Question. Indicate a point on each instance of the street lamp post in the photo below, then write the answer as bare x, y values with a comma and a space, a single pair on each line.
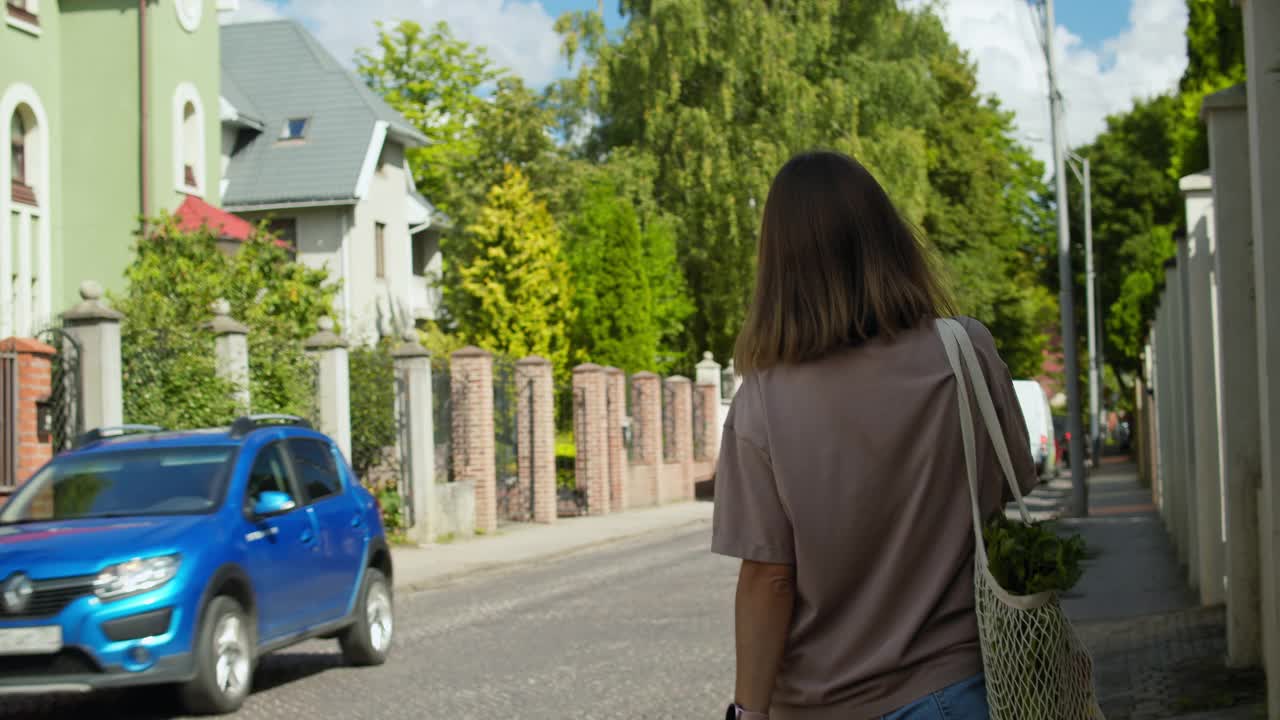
1071, 360
1080, 167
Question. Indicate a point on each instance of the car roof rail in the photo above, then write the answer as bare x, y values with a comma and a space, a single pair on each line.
248, 423
102, 433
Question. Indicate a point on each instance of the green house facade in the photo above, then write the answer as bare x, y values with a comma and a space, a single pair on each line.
82, 83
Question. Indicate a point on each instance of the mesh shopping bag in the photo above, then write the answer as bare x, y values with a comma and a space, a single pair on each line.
1036, 667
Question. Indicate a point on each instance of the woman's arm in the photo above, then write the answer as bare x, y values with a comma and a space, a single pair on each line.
766, 596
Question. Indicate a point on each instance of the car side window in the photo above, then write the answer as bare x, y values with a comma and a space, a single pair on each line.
317, 471
269, 474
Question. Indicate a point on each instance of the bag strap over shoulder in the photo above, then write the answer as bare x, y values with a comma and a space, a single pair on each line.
961, 355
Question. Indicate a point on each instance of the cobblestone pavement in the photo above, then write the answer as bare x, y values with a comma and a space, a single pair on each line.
637, 630
1157, 652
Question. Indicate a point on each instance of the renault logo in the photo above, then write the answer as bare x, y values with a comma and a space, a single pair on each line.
16, 593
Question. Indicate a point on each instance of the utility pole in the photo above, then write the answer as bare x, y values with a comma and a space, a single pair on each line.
1081, 170
1079, 474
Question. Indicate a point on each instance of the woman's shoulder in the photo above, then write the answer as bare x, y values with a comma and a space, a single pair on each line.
978, 332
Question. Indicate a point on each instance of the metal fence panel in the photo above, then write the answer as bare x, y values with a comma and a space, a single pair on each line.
9, 416
513, 505
442, 418
699, 421
668, 422
66, 418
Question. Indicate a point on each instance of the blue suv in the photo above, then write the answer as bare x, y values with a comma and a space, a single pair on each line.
149, 557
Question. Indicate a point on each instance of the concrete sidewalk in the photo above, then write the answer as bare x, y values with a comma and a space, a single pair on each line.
1157, 652
517, 544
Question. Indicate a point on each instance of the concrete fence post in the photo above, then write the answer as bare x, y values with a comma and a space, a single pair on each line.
590, 420
708, 387
1240, 442
414, 418
646, 438
333, 386
615, 418
96, 328
471, 386
231, 350
1197, 190
682, 408
536, 429
1187, 474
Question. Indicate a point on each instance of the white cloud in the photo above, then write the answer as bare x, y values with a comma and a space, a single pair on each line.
1145, 59
518, 34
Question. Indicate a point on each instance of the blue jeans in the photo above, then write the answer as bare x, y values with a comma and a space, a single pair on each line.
966, 700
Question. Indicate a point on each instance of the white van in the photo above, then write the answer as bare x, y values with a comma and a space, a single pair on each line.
1039, 418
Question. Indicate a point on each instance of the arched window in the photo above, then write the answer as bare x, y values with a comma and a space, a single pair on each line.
190, 151
22, 156
188, 141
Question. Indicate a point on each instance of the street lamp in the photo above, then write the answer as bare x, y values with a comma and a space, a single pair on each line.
1080, 167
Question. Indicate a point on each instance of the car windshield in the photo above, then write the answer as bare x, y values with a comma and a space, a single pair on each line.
155, 481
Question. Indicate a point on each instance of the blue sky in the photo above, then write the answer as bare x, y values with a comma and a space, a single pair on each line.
1110, 51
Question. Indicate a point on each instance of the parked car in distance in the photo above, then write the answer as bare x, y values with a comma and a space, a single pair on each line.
1039, 418
144, 557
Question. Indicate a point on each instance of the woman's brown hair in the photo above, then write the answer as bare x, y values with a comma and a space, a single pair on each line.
837, 265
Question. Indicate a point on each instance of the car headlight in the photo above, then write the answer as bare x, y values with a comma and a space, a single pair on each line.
135, 576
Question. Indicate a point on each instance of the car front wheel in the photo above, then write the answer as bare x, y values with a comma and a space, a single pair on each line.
223, 659
368, 640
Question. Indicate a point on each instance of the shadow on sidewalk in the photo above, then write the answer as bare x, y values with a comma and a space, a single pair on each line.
1157, 652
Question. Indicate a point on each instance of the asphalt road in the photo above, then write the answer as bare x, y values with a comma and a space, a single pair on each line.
635, 630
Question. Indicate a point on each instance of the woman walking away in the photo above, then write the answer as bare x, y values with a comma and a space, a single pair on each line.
841, 484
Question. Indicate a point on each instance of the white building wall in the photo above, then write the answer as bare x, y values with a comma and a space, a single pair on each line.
386, 201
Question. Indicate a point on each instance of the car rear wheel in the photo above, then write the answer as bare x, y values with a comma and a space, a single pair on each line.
368, 640
223, 659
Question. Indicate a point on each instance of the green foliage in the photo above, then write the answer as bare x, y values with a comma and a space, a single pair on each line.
434, 81
1028, 559
614, 324
1137, 208
507, 285
373, 397
716, 96
685, 115
170, 376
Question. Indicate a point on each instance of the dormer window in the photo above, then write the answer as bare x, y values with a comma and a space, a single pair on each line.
294, 129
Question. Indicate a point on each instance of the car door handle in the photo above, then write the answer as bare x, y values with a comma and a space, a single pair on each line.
308, 536
357, 521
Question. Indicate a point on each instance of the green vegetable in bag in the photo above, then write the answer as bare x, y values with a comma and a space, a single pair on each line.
1026, 559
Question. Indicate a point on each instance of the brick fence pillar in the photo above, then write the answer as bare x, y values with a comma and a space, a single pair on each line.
646, 434
536, 428
615, 418
33, 448
471, 385
590, 418
682, 408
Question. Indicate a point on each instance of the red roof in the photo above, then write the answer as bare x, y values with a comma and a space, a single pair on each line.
195, 213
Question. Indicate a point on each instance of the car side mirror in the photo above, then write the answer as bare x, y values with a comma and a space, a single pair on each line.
271, 503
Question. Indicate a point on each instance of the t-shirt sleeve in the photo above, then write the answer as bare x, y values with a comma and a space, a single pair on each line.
749, 521
1008, 409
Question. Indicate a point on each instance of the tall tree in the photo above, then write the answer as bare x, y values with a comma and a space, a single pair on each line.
615, 324
719, 94
508, 285
434, 80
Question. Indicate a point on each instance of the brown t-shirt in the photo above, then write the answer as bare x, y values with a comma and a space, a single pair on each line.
851, 468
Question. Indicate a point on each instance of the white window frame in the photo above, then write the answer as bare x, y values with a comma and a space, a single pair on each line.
188, 20
33, 7
183, 94
34, 250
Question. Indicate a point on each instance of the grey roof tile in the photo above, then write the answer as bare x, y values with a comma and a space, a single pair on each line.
282, 72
